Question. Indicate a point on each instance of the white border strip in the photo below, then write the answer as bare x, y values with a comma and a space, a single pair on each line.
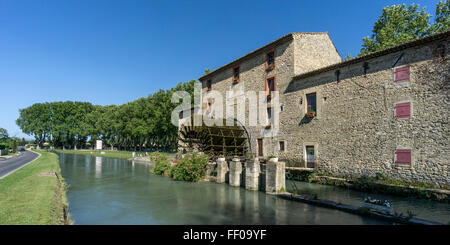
22, 165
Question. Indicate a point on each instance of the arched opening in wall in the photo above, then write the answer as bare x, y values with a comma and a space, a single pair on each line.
228, 141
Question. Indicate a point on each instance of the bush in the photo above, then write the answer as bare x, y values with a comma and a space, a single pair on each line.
191, 168
162, 163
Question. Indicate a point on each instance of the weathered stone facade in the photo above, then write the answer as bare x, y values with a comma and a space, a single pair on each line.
356, 131
253, 74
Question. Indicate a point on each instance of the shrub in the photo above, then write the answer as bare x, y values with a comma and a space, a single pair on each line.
191, 168
162, 163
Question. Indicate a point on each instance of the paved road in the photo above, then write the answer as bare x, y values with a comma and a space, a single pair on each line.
11, 164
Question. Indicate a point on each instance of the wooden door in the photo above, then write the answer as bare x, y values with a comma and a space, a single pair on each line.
310, 157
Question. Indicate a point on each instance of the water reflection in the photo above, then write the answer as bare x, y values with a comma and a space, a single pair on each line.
98, 167
128, 193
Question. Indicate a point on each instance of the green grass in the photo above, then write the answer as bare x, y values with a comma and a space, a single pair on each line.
29, 199
112, 154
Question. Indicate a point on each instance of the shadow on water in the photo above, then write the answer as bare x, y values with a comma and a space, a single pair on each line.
116, 191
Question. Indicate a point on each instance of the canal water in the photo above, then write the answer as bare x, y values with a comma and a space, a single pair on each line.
115, 191
423, 209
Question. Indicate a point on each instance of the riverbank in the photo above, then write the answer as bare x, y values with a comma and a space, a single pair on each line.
379, 184
396, 218
35, 194
107, 153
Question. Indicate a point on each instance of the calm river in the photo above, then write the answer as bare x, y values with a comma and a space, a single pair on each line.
115, 191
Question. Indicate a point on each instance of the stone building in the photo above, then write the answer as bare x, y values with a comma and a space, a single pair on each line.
383, 113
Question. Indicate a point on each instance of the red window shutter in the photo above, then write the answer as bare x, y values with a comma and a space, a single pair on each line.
403, 110
404, 156
402, 74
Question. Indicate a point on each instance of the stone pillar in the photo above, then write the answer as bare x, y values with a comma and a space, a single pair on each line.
210, 167
252, 171
235, 172
275, 177
222, 170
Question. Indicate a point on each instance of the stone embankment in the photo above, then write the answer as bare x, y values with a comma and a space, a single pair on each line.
368, 185
355, 210
270, 177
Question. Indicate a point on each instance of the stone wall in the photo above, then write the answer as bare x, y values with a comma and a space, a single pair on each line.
290, 53
356, 131
312, 51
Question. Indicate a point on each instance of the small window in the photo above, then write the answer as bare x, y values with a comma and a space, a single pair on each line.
236, 74
270, 86
403, 110
281, 145
269, 114
310, 156
209, 105
311, 105
209, 85
181, 114
402, 74
260, 147
270, 60
403, 156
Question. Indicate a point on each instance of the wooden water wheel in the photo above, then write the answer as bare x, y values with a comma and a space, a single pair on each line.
215, 140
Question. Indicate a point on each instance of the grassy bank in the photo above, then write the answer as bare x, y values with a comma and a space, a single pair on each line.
112, 154
27, 198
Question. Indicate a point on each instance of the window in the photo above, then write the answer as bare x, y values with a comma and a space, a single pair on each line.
209, 105
311, 105
403, 110
269, 118
236, 74
403, 156
209, 85
310, 156
402, 74
260, 147
270, 60
270, 86
269, 114
281, 145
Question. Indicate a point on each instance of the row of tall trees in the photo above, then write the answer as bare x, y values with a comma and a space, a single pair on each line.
143, 123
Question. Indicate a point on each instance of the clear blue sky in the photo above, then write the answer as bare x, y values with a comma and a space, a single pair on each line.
112, 52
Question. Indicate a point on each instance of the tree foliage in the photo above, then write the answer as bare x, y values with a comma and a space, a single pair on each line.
397, 24
442, 19
143, 123
3, 134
